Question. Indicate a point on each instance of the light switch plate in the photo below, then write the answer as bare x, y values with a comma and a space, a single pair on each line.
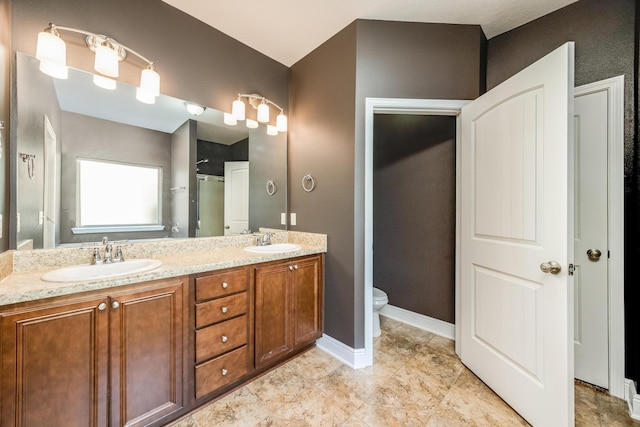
18, 222
40, 217
293, 219
283, 218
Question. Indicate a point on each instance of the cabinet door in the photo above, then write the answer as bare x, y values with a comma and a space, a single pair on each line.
307, 301
55, 365
146, 353
273, 335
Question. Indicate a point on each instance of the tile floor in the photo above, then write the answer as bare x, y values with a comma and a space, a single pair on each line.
416, 380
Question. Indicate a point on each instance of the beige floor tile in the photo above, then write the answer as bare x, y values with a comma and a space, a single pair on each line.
281, 387
240, 408
314, 364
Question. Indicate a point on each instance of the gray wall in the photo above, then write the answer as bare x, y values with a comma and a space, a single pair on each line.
195, 62
606, 36
96, 139
414, 212
37, 98
328, 91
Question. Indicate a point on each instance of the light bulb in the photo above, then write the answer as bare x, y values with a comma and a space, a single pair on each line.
263, 113
52, 53
104, 82
272, 130
194, 109
238, 109
252, 124
230, 119
106, 61
281, 122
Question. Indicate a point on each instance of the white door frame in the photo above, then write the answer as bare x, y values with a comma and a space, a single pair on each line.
433, 107
615, 89
615, 149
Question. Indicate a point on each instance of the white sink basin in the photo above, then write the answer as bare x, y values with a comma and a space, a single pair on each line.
80, 273
276, 248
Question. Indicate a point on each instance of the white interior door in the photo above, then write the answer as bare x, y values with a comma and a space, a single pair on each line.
516, 214
590, 233
236, 197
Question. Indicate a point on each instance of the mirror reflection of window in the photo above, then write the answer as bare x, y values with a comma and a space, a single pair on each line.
102, 201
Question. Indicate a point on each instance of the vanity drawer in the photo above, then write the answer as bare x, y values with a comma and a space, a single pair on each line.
221, 284
221, 371
220, 338
220, 309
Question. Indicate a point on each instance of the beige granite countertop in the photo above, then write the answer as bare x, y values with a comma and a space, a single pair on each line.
179, 258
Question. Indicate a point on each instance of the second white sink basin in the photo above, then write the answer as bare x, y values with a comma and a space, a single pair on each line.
80, 273
276, 248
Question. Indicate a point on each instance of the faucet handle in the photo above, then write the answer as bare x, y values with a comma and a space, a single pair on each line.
119, 256
96, 258
105, 240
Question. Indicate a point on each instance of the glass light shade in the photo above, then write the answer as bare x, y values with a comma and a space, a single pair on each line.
145, 97
54, 69
194, 109
52, 53
106, 61
150, 82
272, 130
230, 119
263, 113
252, 124
104, 82
281, 123
238, 109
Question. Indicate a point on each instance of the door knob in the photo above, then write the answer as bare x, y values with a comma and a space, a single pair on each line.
550, 267
594, 255
226, 227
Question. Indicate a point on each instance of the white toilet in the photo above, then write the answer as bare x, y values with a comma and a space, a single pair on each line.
380, 299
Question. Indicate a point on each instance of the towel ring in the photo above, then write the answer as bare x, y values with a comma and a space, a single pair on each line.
271, 187
306, 180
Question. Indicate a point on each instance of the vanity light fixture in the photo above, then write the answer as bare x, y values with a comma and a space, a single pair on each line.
261, 104
52, 53
230, 119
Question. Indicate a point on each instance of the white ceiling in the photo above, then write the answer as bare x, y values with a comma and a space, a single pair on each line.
287, 30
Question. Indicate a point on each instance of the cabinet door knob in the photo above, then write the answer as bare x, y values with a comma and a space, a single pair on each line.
224, 310
102, 306
115, 304
224, 372
225, 338
295, 266
291, 267
225, 285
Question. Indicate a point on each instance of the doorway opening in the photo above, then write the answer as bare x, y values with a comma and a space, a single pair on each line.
614, 88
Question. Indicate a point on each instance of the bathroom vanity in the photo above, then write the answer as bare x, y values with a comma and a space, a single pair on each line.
146, 349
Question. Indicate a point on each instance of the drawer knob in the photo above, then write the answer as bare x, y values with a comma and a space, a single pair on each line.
295, 266
224, 310
224, 372
225, 285
225, 338
291, 267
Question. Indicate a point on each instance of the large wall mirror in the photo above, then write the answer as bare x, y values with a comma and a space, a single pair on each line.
94, 162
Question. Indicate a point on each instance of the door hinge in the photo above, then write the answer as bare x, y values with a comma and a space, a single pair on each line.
572, 269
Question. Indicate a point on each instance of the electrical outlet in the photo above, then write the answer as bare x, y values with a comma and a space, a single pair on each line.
40, 218
283, 218
293, 219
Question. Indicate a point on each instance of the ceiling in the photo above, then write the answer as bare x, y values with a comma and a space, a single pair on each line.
287, 30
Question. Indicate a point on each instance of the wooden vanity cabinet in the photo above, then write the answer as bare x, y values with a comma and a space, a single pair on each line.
223, 333
109, 359
288, 307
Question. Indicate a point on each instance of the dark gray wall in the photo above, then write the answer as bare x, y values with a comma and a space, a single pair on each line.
606, 36
321, 143
5, 97
195, 62
414, 212
96, 139
36, 98
265, 151
217, 154
391, 59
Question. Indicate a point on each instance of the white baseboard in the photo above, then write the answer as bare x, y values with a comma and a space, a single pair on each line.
632, 398
436, 326
354, 358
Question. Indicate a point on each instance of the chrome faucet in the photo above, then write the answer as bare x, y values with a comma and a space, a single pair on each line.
264, 240
108, 257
